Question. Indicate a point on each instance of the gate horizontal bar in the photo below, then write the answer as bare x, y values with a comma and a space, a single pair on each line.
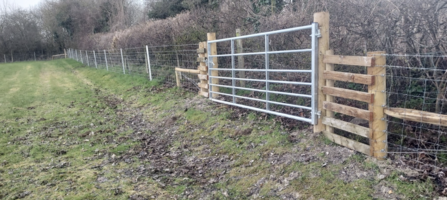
258, 90
261, 53
259, 80
265, 101
262, 70
263, 34
265, 111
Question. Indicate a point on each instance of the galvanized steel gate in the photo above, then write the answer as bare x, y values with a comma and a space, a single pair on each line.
315, 34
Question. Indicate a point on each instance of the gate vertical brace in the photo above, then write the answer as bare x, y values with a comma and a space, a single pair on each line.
322, 18
267, 75
314, 75
233, 82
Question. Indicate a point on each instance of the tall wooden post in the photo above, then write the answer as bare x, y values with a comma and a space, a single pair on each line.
203, 70
213, 50
378, 125
65, 53
240, 59
322, 18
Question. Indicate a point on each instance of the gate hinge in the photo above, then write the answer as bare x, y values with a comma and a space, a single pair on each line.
318, 34
318, 114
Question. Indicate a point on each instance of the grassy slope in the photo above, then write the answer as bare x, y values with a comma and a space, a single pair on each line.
69, 132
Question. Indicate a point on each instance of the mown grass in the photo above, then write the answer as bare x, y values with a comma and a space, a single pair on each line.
60, 136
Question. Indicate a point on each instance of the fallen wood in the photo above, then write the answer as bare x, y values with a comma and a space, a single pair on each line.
349, 77
192, 71
349, 60
346, 126
417, 116
349, 94
354, 145
348, 110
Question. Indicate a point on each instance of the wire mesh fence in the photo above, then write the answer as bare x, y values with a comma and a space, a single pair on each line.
416, 108
417, 85
20, 57
154, 62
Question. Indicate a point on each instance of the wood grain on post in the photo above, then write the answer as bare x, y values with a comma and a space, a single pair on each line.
378, 140
329, 98
240, 59
213, 50
203, 73
349, 77
322, 18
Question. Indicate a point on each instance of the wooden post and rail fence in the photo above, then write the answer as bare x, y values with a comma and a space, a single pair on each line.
374, 79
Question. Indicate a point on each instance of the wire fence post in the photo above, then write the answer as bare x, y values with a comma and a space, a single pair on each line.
94, 56
105, 57
12, 57
378, 126
80, 54
77, 59
122, 61
4, 56
148, 63
35, 56
86, 57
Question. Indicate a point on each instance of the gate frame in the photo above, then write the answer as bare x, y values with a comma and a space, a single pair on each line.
213, 79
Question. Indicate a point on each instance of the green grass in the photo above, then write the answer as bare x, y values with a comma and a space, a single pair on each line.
65, 128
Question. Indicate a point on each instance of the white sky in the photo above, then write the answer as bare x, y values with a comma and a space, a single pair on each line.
25, 4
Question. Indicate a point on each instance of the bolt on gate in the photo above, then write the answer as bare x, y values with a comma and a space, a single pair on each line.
268, 87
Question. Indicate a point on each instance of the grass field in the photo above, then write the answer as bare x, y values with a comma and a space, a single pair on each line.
72, 132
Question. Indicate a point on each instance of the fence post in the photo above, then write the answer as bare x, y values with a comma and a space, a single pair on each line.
65, 53
322, 18
35, 56
105, 57
215, 73
122, 61
148, 63
77, 59
203, 70
80, 54
12, 57
240, 59
94, 56
4, 56
86, 57
378, 125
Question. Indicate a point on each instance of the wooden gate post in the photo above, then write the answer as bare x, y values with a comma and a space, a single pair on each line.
203, 70
322, 18
378, 126
213, 50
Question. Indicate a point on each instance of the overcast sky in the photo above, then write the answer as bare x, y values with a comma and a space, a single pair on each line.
26, 4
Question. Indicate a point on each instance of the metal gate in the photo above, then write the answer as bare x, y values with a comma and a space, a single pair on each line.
269, 98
